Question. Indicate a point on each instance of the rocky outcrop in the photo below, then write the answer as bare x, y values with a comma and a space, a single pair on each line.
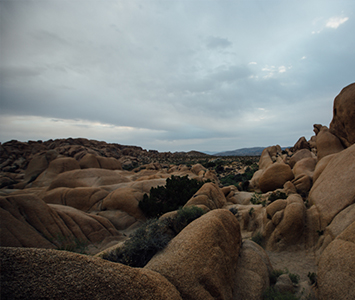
275, 176
334, 189
51, 274
201, 261
343, 122
327, 143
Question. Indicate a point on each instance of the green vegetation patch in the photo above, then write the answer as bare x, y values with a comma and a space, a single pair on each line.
177, 191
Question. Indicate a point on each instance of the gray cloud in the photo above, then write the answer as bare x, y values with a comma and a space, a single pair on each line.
173, 75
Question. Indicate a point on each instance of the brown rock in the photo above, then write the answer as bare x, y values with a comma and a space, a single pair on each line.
38, 164
253, 272
336, 268
334, 189
320, 166
52, 274
201, 260
274, 207
299, 155
343, 123
109, 163
89, 161
209, 195
303, 172
274, 177
327, 143
301, 144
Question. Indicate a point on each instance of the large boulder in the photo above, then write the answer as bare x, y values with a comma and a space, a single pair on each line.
327, 143
303, 172
209, 196
52, 274
253, 272
343, 123
201, 260
336, 268
299, 155
28, 221
275, 176
38, 164
334, 189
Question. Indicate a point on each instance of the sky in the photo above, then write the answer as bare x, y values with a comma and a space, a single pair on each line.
205, 75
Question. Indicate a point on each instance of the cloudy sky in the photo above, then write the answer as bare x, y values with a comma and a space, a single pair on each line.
173, 75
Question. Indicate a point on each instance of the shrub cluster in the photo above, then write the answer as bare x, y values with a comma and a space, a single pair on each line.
241, 181
177, 191
152, 237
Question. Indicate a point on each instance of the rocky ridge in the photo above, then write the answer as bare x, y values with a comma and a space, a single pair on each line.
66, 193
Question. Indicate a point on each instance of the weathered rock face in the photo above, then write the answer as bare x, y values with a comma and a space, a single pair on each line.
343, 123
301, 144
38, 164
52, 274
327, 143
209, 195
286, 225
253, 272
201, 260
336, 267
303, 171
275, 176
27, 221
334, 189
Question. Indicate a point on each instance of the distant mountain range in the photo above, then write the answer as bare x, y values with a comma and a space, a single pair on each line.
254, 151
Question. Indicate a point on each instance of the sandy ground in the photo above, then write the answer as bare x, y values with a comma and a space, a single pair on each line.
299, 262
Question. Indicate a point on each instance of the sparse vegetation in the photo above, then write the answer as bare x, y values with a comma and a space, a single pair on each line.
256, 199
312, 277
251, 211
258, 238
277, 195
152, 237
162, 199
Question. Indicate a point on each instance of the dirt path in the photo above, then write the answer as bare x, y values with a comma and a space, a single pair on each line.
300, 262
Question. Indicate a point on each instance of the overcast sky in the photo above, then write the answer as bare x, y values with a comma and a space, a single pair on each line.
173, 75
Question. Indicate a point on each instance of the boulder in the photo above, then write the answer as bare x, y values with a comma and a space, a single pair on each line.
83, 198
284, 284
274, 177
303, 172
209, 195
253, 272
28, 221
299, 155
301, 144
336, 268
334, 189
343, 122
286, 227
52, 274
38, 164
201, 260
93, 161
327, 143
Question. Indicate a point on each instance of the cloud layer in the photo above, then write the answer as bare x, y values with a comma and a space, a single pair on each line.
173, 75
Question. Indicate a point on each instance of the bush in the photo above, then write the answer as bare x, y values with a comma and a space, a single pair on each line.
312, 277
162, 199
258, 238
151, 237
295, 278
277, 195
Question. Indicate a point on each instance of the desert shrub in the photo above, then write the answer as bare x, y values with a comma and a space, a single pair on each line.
251, 211
258, 238
312, 277
272, 294
143, 244
241, 181
185, 216
152, 237
295, 278
256, 199
277, 195
162, 199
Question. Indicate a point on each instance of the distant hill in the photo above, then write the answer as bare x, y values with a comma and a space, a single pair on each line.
254, 151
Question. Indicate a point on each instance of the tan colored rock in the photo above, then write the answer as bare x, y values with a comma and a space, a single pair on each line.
30, 222
201, 260
299, 155
89, 161
253, 272
209, 195
274, 207
109, 163
303, 171
268, 156
52, 274
321, 166
301, 144
274, 177
38, 164
254, 182
336, 268
124, 199
83, 198
327, 143
120, 219
289, 228
284, 284
55, 167
343, 123
334, 189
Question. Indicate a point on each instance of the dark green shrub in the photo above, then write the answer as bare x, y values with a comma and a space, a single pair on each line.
234, 210
295, 278
152, 237
185, 216
277, 195
258, 238
162, 199
312, 277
